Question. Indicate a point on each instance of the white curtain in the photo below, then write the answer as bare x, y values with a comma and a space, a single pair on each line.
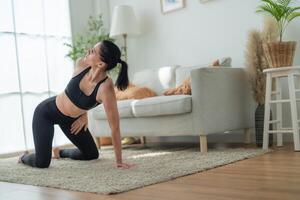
33, 65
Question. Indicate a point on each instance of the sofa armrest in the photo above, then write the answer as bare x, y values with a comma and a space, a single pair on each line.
221, 100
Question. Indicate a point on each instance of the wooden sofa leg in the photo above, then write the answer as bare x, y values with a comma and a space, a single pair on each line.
203, 143
98, 142
143, 140
247, 136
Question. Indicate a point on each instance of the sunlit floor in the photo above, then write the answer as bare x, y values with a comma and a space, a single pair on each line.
275, 175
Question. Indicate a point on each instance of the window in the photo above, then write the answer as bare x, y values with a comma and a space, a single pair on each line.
33, 65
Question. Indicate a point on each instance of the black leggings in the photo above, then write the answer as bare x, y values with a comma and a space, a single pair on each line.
47, 114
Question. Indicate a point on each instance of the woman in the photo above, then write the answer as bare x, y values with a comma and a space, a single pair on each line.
88, 87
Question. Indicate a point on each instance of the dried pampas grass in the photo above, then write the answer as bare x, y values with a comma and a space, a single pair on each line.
255, 59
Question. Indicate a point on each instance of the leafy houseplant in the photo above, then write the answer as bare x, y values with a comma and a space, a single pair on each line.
96, 33
280, 54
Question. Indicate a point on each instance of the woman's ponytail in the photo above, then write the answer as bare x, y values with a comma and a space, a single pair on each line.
111, 55
122, 80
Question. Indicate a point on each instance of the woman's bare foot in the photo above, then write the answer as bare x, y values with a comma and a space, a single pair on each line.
23, 154
56, 151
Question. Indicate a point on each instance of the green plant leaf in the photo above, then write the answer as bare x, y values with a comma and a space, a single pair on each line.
292, 10
272, 8
281, 10
277, 9
95, 33
285, 3
269, 10
293, 16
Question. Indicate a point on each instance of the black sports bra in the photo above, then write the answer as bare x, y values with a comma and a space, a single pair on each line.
75, 94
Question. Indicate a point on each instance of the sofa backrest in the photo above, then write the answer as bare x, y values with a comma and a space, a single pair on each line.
162, 78
157, 79
184, 72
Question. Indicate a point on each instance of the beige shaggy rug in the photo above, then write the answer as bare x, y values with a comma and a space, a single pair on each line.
154, 165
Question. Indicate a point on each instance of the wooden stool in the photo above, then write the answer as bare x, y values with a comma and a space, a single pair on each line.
277, 73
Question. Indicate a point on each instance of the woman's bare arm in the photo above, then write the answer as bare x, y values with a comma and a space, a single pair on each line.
109, 101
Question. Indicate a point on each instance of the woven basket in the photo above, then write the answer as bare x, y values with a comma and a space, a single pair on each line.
279, 54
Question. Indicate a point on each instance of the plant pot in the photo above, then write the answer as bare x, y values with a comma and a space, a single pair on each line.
280, 54
259, 126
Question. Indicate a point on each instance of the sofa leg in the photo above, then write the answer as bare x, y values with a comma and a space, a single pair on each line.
203, 143
247, 136
143, 140
98, 142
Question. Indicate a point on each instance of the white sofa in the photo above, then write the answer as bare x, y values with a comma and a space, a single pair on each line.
221, 101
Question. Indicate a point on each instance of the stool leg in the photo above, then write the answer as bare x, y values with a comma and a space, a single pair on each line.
267, 111
279, 112
294, 112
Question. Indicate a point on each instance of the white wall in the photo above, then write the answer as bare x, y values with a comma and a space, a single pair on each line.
81, 10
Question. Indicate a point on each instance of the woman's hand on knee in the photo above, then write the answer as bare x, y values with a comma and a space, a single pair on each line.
78, 124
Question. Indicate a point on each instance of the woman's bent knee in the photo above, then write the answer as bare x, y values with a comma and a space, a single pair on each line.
44, 164
92, 156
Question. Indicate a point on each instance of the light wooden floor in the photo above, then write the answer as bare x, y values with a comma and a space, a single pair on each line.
275, 175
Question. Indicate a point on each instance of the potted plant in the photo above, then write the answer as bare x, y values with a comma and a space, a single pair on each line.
96, 33
279, 53
255, 64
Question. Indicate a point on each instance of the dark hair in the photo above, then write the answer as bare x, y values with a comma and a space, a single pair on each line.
111, 55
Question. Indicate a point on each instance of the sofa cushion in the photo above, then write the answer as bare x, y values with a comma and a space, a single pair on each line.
162, 105
157, 79
124, 108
